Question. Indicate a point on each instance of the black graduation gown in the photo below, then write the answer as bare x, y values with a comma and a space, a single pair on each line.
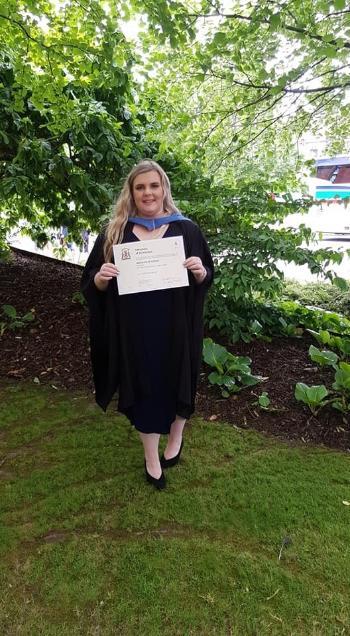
114, 340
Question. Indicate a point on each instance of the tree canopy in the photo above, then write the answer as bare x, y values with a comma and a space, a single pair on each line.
214, 90
67, 128
256, 78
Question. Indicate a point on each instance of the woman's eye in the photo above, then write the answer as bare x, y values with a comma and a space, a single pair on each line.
154, 186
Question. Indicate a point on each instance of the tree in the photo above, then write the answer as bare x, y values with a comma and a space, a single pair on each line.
258, 76
236, 101
68, 130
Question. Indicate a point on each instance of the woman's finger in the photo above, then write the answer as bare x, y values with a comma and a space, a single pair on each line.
109, 268
193, 261
108, 271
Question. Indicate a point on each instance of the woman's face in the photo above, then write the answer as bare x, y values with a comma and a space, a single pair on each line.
148, 194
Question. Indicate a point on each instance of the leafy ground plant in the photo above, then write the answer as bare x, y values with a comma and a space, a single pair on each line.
341, 386
10, 319
341, 343
314, 396
323, 358
78, 299
339, 396
232, 372
264, 400
235, 545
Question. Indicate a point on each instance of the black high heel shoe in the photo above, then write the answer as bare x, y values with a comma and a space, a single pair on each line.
157, 483
168, 463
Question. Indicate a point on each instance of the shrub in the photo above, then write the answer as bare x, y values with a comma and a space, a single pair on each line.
322, 295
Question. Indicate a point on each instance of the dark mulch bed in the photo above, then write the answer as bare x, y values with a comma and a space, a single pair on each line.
54, 349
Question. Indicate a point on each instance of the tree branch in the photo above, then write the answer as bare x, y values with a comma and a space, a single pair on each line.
332, 15
45, 46
270, 122
286, 27
22, 27
243, 145
318, 109
333, 71
319, 89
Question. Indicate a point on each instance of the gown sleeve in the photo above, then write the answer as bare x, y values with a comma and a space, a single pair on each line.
208, 264
92, 295
103, 327
196, 245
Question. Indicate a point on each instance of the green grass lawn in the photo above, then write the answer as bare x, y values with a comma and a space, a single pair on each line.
88, 547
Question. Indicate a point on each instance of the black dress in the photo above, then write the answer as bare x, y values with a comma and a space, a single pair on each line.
148, 346
151, 325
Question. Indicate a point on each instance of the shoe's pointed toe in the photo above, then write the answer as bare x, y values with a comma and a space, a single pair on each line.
159, 484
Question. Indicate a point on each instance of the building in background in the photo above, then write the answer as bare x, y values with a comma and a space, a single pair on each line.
334, 169
335, 172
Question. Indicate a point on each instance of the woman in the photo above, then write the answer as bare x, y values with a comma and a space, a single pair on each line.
148, 345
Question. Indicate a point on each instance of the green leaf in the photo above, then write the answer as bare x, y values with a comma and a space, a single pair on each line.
342, 344
340, 406
329, 51
247, 379
324, 358
28, 317
4, 137
341, 283
9, 310
229, 383
325, 336
215, 378
220, 37
215, 355
342, 377
256, 327
264, 400
311, 395
275, 20
274, 90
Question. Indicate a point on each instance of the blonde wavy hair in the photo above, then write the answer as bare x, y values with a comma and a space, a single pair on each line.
125, 204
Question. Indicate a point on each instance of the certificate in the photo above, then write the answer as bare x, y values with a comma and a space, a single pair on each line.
150, 265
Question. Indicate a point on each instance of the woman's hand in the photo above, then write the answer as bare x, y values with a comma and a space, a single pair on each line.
195, 265
106, 273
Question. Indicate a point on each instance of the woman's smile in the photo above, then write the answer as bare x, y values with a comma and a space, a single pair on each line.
148, 194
